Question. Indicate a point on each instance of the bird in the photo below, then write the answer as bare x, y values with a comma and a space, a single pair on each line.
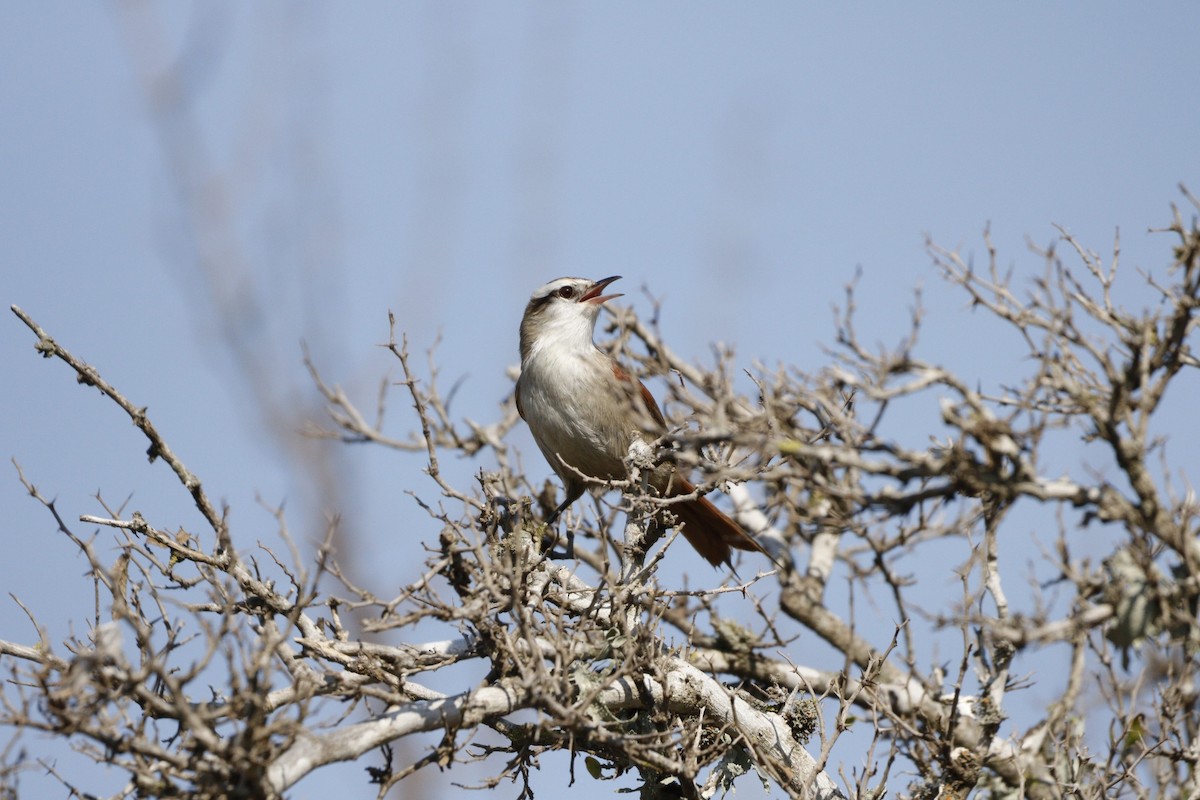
584, 411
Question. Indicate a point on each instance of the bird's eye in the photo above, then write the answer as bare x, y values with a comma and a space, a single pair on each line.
566, 292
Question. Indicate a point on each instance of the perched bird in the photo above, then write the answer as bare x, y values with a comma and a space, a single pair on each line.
584, 411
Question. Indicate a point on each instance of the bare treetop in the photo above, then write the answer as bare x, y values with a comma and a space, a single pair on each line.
211, 668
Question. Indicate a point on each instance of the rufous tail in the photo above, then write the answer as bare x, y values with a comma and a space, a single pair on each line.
708, 529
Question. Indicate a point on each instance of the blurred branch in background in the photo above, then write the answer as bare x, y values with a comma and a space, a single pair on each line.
209, 670
252, 232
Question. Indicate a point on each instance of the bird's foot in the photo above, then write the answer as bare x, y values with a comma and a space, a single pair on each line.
566, 554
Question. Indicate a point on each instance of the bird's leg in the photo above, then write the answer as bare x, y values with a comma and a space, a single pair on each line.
561, 508
572, 494
570, 551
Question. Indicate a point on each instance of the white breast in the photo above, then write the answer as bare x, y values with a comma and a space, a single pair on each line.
571, 403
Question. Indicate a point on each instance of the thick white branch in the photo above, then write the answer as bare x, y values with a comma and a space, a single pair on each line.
686, 690
464, 710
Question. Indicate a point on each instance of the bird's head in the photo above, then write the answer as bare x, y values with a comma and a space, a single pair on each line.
563, 312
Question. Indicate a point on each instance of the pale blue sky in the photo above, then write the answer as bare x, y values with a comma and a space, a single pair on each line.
442, 160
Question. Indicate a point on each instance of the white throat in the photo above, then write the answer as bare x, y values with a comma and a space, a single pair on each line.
563, 333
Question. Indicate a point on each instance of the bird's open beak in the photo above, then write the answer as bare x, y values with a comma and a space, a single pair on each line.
592, 295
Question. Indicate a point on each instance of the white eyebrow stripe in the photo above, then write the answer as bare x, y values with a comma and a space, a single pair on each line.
554, 285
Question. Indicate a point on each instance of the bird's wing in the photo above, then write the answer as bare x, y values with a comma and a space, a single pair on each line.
647, 399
